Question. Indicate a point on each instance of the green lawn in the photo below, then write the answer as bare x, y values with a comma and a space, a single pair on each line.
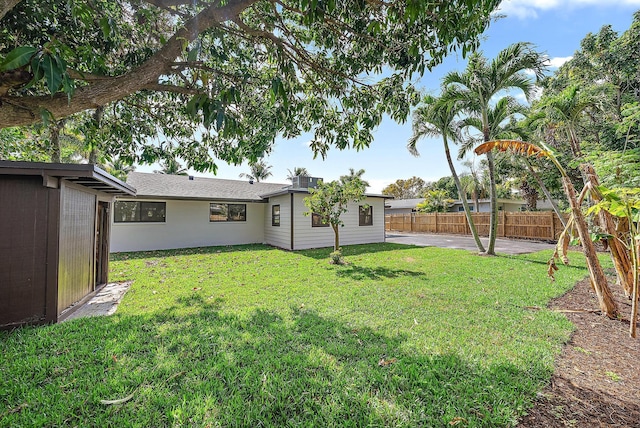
255, 336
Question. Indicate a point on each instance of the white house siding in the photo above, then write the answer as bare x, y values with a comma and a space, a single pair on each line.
187, 225
306, 236
278, 236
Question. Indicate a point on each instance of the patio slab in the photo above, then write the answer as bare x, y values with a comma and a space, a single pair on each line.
105, 302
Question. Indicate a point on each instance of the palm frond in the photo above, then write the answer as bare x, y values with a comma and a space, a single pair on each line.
515, 146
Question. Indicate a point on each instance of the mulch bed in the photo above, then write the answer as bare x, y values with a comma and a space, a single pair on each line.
596, 382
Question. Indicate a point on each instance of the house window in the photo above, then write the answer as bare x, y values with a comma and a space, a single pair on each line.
227, 212
460, 209
139, 212
366, 215
275, 215
316, 221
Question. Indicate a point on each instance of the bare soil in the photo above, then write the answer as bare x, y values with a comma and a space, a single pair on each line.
596, 382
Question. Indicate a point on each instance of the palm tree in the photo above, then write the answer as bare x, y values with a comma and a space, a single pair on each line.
354, 175
436, 117
473, 183
119, 168
171, 166
477, 87
298, 172
259, 171
567, 108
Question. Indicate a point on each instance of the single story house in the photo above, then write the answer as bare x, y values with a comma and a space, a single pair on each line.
174, 211
54, 250
406, 206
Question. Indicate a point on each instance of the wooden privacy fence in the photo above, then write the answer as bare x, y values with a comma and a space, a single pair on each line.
524, 225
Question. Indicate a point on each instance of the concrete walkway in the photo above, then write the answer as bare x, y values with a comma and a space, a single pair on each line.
505, 246
105, 302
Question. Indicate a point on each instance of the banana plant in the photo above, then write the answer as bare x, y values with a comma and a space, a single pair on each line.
624, 203
596, 273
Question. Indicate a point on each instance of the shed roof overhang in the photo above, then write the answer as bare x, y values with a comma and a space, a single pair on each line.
82, 174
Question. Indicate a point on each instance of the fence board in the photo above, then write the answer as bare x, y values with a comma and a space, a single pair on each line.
543, 225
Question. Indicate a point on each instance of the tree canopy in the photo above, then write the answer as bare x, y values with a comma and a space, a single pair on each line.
224, 79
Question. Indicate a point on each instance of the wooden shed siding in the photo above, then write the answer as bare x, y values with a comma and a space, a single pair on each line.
279, 236
77, 246
23, 249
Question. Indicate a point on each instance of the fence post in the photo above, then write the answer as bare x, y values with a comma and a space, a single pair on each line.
436, 222
504, 223
553, 225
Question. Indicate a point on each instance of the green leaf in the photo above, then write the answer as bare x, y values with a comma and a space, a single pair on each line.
52, 73
17, 58
193, 54
105, 26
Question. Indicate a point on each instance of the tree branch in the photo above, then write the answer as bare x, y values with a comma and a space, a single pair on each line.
6, 6
19, 111
159, 87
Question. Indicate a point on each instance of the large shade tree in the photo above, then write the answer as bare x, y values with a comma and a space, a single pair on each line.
478, 85
248, 70
411, 188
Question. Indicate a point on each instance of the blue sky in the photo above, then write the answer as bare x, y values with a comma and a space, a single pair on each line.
556, 27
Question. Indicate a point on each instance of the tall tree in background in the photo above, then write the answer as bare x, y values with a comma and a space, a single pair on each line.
411, 188
481, 81
223, 79
171, 166
297, 172
436, 117
259, 171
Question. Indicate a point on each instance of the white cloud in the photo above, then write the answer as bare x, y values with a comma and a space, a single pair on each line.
558, 61
525, 9
376, 185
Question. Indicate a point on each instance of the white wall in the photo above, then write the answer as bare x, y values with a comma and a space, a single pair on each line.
306, 236
187, 225
278, 236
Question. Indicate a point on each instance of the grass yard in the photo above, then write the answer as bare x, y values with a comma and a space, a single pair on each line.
255, 336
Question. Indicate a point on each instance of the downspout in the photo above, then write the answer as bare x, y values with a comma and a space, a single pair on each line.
291, 221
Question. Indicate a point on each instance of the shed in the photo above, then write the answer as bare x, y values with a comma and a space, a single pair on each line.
54, 251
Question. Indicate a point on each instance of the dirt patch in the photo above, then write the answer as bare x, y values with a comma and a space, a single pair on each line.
596, 382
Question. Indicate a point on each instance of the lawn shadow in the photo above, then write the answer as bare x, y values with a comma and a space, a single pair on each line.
359, 272
354, 250
214, 367
535, 258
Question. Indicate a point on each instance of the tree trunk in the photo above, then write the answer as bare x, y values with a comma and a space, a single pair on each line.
54, 136
493, 203
336, 239
546, 192
463, 197
619, 254
634, 295
599, 281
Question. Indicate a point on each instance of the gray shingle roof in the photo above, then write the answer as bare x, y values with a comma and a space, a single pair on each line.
180, 187
403, 203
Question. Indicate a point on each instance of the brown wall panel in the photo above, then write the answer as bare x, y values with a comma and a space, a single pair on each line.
23, 249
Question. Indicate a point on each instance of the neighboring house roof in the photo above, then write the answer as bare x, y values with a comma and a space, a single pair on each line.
83, 174
403, 203
182, 187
